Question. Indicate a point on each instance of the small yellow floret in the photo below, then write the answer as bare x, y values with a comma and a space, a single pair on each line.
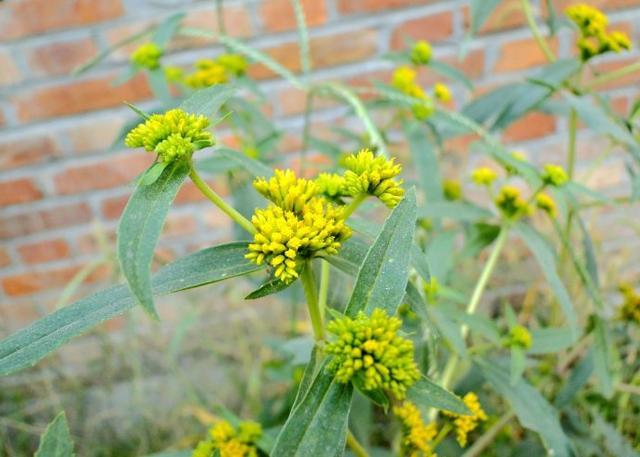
546, 204
630, 309
286, 190
229, 442
421, 53
465, 424
554, 175
368, 174
404, 79
417, 437
484, 176
519, 336
442, 92
208, 73
511, 203
174, 74
590, 20
452, 189
369, 347
147, 56
331, 185
235, 64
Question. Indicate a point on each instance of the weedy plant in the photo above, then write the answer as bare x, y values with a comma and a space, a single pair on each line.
559, 376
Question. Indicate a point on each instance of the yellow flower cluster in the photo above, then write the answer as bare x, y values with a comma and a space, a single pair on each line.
369, 347
285, 239
546, 204
404, 79
452, 189
225, 441
286, 190
465, 424
484, 176
368, 174
554, 175
147, 56
174, 134
421, 53
594, 38
442, 92
331, 185
630, 310
519, 336
210, 72
173, 74
417, 437
511, 203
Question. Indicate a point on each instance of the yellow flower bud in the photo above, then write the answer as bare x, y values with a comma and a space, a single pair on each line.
286, 190
421, 53
208, 73
442, 92
519, 336
484, 176
234, 64
226, 441
147, 56
630, 309
465, 424
511, 203
554, 175
368, 174
417, 437
452, 189
546, 204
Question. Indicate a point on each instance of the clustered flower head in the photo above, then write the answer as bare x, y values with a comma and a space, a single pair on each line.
173, 74
172, 135
421, 53
286, 190
210, 72
331, 185
465, 424
368, 174
147, 56
484, 176
594, 38
511, 203
404, 79
546, 204
369, 349
630, 310
227, 441
452, 189
554, 175
442, 92
519, 336
417, 437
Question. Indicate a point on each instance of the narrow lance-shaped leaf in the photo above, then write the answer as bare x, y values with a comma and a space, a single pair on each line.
603, 357
427, 394
383, 277
56, 440
425, 161
207, 102
163, 34
140, 227
28, 346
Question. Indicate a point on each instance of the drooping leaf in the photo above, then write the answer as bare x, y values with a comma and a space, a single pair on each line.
29, 345
425, 161
317, 426
140, 227
56, 440
383, 277
450, 72
163, 34
547, 260
153, 173
427, 394
207, 102
577, 379
531, 408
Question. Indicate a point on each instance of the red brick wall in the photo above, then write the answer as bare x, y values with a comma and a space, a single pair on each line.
57, 175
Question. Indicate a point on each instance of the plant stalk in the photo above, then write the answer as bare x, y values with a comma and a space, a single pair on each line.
219, 202
355, 446
351, 207
487, 438
619, 73
311, 293
325, 277
531, 22
571, 153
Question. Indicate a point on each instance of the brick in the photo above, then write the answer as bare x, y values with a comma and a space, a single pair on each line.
31, 17
180, 225
94, 135
60, 58
47, 219
327, 51
112, 208
605, 67
44, 251
369, 6
9, 73
3, 120
236, 19
112, 172
4, 257
507, 15
522, 54
17, 191
189, 193
278, 15
78, 97
114, 35
26, 151
533, 125
433, 28
38, 281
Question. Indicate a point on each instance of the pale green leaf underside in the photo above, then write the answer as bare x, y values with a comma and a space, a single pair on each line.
56, 440
427, 394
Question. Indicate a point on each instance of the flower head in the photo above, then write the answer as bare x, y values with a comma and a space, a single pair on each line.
594, 38
286, 190
174, 134
519, 336
452, 189
590, 20
234, 64
442, 92
331, 185
285, 240
417, 437
546, 204
421, 53
464, 424
368, 174
369, 348
554, 175
404, 79
147, 56
208, 73
511, 203
422, 111
173, 74
484, 176
616, 42
630, 310
229, 441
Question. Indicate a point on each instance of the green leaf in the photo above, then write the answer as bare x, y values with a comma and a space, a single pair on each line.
171, 454
427, 394
159, 86
163, 34
550, 340
384, 274
577, 379
449, 329
27, 346
153, 173
532, 409
140, 227
450, 72
269, 287
547, 260
554, 74
480, 12
518, 364
253, 166
317, 426
490, 104
603, 356
439, 254
459, 211
476, 322
614, 441
425, 161
56, 440
207, 102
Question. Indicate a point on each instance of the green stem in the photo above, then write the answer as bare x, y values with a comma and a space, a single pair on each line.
311, 293
351, 207
531, 21
355, 446
306, 132
619, 73
487, 438
571, 153
325, 277
219, 202
444, 431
